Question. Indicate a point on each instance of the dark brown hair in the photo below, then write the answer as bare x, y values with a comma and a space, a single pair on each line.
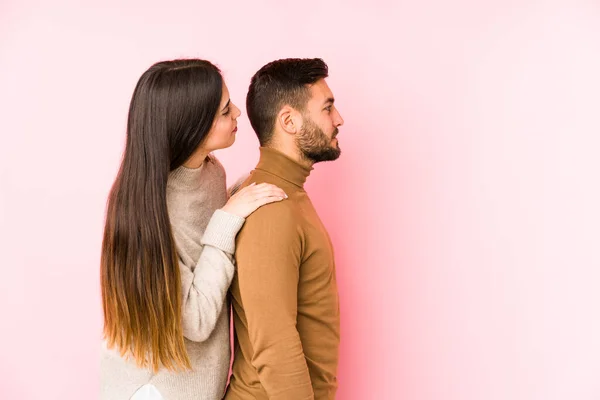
171, 112
279, 83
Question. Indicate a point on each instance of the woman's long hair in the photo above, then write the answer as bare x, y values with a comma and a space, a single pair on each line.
172, 110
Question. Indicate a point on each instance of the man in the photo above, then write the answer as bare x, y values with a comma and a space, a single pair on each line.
285, 299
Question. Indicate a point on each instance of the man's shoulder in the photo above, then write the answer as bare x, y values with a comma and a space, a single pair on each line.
261, 176
278, 212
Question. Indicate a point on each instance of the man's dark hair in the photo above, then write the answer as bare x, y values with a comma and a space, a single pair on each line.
279, 83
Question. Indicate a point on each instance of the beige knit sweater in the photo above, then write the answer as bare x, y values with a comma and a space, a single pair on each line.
205, 240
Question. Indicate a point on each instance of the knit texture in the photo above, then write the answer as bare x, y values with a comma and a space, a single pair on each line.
284, 295
205, 240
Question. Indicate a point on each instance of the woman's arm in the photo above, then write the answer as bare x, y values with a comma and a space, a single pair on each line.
205, 285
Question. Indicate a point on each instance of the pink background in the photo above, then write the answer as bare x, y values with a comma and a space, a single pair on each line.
465, 209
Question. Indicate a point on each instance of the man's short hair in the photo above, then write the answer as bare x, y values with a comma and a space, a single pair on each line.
279, 83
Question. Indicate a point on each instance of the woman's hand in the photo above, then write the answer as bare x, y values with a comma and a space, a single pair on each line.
247, 200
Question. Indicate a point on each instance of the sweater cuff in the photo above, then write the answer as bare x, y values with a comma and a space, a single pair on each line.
222, 230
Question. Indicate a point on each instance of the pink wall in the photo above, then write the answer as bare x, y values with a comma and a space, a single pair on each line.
465, 209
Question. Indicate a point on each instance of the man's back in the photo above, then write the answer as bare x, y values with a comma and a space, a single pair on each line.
285, 299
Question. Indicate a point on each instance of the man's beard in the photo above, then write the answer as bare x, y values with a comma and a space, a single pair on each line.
315, 145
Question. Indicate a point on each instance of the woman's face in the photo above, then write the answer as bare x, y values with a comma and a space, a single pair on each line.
222, 133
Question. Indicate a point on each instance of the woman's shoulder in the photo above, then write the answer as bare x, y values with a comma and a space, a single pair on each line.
211, 159
213, 165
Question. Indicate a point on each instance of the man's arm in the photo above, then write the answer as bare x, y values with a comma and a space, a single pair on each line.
268, 257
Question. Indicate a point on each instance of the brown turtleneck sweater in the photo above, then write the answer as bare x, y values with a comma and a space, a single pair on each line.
284, 295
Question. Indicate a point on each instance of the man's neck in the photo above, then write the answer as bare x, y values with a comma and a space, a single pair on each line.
292, 152
277, 163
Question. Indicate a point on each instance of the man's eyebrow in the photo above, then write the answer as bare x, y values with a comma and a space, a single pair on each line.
226, 105
329, 100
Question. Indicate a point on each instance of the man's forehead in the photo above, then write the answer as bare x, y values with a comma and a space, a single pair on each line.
320, 90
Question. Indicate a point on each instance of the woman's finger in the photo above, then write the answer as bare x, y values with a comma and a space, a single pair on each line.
266, 200
251, 188
274, 192
266, 190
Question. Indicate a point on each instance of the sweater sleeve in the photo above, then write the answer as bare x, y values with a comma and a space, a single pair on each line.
268, 257
205, 285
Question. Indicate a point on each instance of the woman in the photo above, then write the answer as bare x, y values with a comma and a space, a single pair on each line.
169, 238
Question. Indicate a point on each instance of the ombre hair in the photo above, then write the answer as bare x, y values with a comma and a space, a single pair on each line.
171, 112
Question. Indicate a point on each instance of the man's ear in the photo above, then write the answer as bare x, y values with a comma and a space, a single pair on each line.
289, 120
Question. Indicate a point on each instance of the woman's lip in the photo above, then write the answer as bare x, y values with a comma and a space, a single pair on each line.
235, 130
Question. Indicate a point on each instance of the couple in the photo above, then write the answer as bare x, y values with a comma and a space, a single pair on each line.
175, 241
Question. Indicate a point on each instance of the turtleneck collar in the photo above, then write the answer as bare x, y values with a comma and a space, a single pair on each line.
277, 163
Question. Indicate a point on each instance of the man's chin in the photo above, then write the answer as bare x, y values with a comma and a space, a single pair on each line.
332, 155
